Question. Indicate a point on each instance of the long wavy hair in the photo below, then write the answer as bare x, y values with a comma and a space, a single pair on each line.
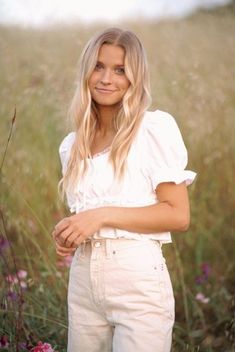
83, 109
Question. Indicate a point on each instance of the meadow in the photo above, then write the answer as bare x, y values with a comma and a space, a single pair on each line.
192, 77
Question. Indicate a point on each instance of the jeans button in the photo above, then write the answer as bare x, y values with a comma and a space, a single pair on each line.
97, 244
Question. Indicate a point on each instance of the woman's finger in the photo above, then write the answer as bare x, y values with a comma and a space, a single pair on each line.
64, 236
61, 226
64, 251
71, 240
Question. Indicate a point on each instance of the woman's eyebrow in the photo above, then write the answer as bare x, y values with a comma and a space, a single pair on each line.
115, 65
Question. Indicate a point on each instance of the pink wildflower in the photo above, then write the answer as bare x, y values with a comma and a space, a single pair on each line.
42, 347
22, 274
65, 262
202, 298
23, 284
12, 279
18, 279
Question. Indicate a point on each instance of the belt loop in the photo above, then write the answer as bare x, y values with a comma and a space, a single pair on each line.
108, 248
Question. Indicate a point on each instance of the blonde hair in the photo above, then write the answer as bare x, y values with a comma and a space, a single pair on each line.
84, 113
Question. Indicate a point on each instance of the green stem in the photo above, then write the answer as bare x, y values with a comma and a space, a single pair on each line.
37, 317
183, 286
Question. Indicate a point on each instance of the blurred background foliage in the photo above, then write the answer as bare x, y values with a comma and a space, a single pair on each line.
192, 75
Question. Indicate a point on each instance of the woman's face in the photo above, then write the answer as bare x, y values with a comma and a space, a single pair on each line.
108, 82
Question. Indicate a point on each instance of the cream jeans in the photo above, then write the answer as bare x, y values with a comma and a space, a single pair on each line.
120, 298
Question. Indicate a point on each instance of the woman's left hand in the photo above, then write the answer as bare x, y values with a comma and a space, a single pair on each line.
73, 230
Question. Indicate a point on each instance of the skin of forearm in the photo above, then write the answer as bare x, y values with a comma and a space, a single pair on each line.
159, 217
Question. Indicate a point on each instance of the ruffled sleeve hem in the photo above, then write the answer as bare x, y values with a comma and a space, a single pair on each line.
172, 175
167, 155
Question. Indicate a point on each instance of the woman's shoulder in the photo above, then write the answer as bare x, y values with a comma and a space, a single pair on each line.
67, 142
161, 123
158, 118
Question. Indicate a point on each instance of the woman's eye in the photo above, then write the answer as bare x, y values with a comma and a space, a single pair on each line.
98, 67
120, 70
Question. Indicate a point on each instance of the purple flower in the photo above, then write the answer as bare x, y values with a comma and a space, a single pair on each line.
4, 343
4, 243
12, 296
206, 270
23, 346
200, 280
205, 273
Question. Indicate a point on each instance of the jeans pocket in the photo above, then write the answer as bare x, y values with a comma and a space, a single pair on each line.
136, 258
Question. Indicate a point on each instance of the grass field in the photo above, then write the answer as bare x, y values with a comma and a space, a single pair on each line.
192, 73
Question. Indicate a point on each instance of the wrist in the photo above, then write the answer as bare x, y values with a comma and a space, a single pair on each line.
104, 216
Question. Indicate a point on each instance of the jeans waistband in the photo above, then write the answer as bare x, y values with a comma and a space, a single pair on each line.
111, 245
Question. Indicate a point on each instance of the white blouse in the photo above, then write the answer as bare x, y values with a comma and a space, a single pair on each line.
157, 155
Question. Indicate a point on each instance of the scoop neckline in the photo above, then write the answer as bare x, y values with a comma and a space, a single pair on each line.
99, 154
107, 150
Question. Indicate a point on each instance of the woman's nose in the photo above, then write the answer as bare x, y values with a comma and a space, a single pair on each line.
106, 76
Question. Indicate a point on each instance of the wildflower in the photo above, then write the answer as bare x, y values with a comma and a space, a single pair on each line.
42, 347
12, 279
18, 279
206, 271
4, 343
23, 346
22, 274
12, 296
65, 261
23, 284
200, 280
4, 243
202, 298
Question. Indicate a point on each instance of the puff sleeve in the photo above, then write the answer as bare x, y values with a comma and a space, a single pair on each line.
166, 152
64, 153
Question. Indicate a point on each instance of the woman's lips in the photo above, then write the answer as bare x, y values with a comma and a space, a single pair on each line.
105, 91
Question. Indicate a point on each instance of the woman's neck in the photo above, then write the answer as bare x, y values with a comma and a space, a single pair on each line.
105, 120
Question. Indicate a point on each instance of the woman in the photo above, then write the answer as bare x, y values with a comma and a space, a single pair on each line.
124, 177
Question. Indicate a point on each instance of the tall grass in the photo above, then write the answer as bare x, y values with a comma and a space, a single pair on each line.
192, 74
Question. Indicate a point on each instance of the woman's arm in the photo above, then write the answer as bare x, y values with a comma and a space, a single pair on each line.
170, 214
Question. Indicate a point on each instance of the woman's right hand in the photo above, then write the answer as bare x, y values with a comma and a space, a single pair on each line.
64, 251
